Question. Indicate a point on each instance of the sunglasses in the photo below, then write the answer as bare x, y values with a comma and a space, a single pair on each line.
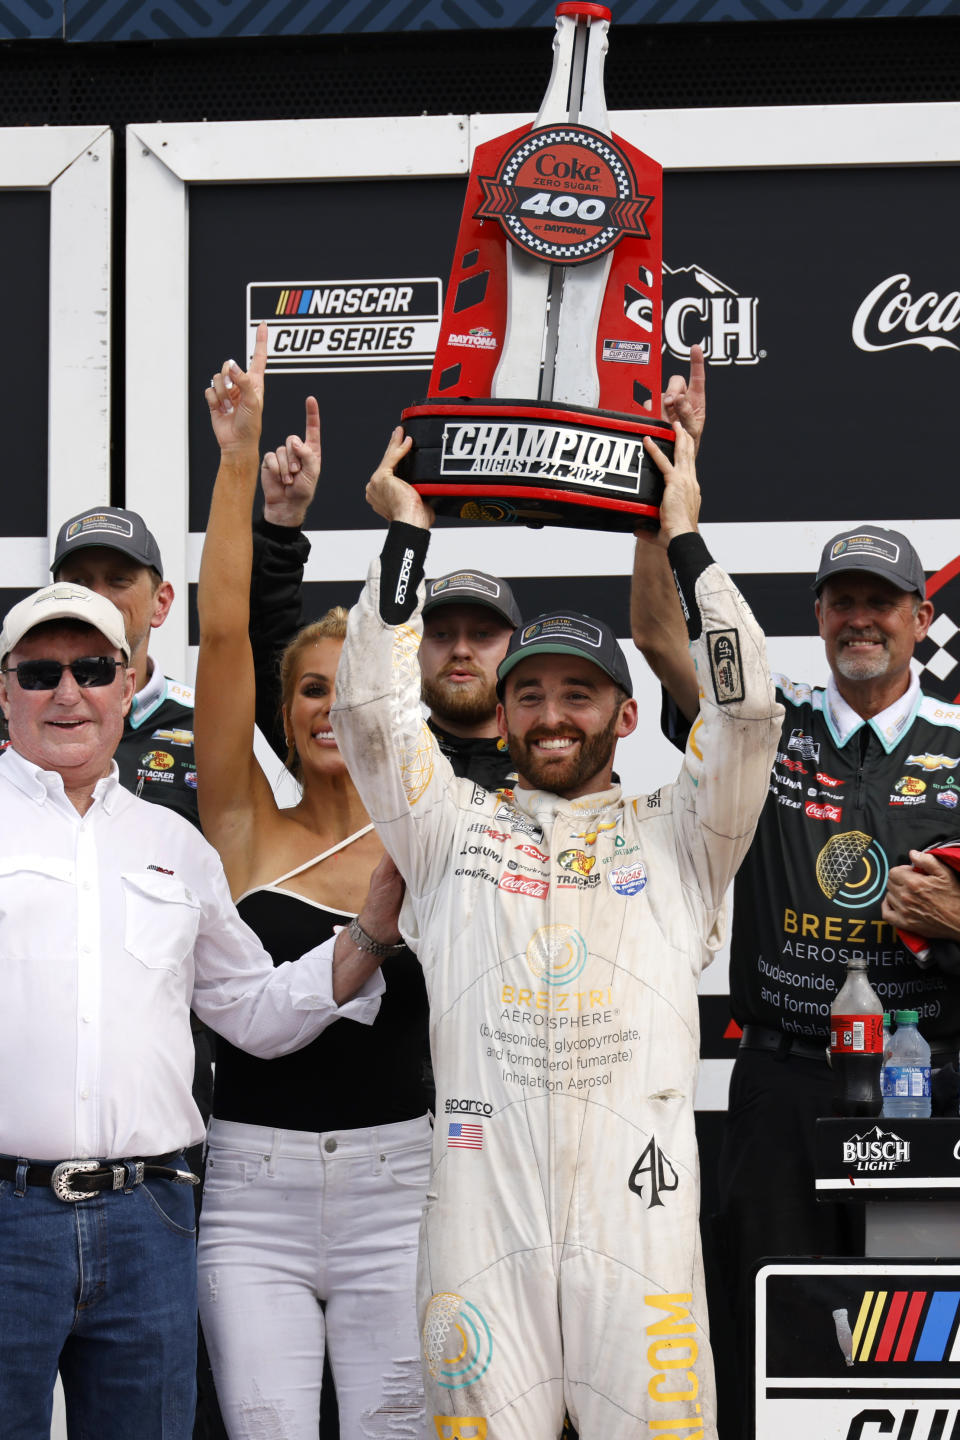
90, 671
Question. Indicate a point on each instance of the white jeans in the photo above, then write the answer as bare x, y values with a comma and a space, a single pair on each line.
290, 1219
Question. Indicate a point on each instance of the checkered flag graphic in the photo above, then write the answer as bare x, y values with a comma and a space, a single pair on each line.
939, 652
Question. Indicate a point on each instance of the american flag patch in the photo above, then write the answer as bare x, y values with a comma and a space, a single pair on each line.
461, 1136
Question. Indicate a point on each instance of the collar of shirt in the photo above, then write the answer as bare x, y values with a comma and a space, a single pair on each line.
462, 744
889, 726
41, 785
544, 806
150, 698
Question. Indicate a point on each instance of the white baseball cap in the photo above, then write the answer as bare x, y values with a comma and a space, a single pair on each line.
63, 601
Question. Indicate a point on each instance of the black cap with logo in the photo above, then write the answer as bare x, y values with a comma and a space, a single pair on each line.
106, 528
881, 552
473, 587
567, 632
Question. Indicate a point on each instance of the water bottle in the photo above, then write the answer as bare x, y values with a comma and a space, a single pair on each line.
856, 1043
905, 1080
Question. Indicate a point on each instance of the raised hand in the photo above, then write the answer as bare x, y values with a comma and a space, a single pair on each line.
680, 506
289, 474
686, 401
235, 400
392, 497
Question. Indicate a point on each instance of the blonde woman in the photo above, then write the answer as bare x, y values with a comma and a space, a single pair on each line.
318, 1162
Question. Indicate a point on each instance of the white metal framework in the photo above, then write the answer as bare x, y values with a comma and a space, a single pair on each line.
74, 163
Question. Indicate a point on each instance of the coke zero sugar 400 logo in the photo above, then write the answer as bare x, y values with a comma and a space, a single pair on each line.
565, 194
892, 316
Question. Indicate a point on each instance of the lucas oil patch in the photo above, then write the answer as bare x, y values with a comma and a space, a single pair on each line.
629, 879
723, 648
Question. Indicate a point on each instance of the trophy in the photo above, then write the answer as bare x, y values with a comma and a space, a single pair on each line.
549, 355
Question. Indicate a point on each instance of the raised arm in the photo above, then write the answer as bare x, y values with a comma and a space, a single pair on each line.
288, 479
656, 620
232, 788
405, 782
726, 770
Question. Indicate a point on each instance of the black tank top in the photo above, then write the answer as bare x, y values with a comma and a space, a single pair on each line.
352, 1076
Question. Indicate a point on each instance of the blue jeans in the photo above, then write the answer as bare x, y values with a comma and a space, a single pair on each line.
104, 1290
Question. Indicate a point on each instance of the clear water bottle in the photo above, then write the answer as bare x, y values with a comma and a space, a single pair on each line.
905, 1079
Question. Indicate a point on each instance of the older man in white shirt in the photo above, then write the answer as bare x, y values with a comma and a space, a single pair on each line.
115, 917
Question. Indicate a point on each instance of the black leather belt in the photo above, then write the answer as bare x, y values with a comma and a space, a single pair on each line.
79, 1179
943, 1051
761, 1037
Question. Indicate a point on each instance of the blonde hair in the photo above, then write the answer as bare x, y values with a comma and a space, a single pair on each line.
332, 626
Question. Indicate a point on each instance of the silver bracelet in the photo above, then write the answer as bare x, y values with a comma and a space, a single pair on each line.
366, 942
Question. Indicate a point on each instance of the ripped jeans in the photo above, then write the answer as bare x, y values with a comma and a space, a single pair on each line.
291, 1219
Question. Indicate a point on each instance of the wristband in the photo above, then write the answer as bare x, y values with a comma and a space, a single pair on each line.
366, 942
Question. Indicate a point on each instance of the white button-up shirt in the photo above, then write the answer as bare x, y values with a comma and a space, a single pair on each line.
112, 924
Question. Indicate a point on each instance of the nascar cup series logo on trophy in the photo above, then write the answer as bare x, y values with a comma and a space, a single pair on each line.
538, 400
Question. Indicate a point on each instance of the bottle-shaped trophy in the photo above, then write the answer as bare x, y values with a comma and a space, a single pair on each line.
547, 372
856, 1043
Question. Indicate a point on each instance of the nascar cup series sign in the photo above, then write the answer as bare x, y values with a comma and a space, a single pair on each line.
330, 325
550, 341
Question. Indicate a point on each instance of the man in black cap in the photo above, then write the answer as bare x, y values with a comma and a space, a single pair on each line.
112, 552
562, 929
468, 615
468, 620
867, 776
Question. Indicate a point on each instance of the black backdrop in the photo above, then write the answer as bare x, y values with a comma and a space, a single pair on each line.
769, 267
24, 354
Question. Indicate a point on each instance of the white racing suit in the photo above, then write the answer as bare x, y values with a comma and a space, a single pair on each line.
562, 943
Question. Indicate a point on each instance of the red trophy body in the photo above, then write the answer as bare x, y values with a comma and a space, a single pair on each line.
550, 342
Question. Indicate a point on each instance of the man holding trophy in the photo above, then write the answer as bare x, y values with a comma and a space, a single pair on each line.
561, 929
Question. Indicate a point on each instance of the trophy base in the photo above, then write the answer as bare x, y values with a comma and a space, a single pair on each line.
532, 462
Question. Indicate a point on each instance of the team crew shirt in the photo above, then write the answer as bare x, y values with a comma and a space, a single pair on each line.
848, 800
483, 759
155, 756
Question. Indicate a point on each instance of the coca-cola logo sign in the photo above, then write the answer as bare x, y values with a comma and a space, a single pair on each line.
892, 316
521, 885
823, 812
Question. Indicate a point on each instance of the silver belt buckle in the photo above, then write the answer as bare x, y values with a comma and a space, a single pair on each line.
64, 1173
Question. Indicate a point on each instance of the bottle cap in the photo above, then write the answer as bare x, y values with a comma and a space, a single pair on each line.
886, 1019
585, 8
907, 1017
